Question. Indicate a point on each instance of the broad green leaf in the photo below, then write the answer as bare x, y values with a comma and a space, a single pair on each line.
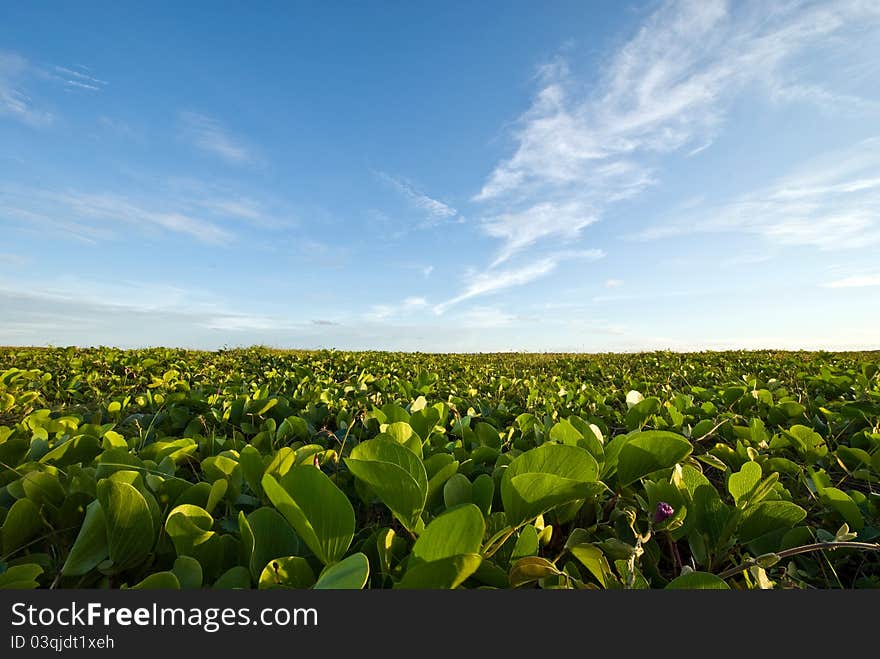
638, 414
592, 558
526, 544
188, 572
458, 490
810, 444
319, 512
483, 492
395, 474
445, 573
91, 546
21, 525
21, 577
456, 531
159, 581
287, 572
403, 433
743, 482
130, 532
769, 516
190, 529
235, 578
266, 535
83, 449
697, 581
545, 477
252, 468
650, 451
351, 573
488, 435
843, 505
531, 568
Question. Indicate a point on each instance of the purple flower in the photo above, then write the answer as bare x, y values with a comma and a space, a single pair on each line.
664, 511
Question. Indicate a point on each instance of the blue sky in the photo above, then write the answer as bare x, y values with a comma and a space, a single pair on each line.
559, 176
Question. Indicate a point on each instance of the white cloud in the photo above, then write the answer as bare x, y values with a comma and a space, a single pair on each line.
434, 209
492, 281
97, 216
485, 317
80, 79
665, 90
856, 281
209, 135
408, 306
14, 101
522, 229
613, 283
832, 202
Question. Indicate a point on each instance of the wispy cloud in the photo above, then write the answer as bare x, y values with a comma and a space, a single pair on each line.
492, 281
856, 281
79, 79
832, 202
432, 209
91, 216
485, 317
666, 90
613, 283
383, 312
14, 100
212, 137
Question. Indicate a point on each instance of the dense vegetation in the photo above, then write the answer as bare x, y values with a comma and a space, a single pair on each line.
261, 468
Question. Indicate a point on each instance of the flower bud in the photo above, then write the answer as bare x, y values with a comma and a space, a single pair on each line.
664, 511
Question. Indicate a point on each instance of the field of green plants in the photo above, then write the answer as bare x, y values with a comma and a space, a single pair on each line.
258, 468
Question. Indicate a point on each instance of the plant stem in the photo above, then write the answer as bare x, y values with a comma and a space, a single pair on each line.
804, 549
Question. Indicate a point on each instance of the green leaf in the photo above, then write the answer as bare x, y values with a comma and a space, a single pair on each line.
592, 558
130, 532
43, 487
483, 492
456, 531
21, 577
252, 469
442, 555
351, 573
458, 490
266, 535
21, 525
91, 546
83, 449
395, 474
697, 581
545, 477
810, 444
445, 573
188, 572
769, 516
190, 530
403, 433
526, 544
159, 581
287, 572
531, 568
742, 483
638, 414
650, 451
319, 512
488, 435
843, 505
236, 577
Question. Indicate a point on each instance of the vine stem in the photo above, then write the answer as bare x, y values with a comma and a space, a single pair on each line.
803, 549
